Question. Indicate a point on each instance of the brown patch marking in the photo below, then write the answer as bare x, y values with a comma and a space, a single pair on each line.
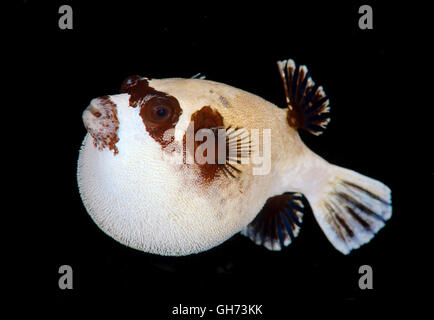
152, 103
205, 118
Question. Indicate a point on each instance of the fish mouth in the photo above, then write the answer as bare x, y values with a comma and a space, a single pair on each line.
101, 122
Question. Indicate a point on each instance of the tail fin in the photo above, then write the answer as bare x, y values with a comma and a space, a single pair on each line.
351, 208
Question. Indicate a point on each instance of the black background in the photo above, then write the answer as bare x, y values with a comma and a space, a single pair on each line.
238, 45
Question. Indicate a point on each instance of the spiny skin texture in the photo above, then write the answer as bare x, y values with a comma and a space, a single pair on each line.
146, 201
153, 205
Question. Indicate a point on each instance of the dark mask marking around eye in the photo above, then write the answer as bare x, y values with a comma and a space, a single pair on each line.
159, 111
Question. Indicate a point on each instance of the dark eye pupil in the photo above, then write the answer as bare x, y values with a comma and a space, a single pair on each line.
161, 112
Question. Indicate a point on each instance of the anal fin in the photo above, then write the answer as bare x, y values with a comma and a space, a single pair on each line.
308, 106
278, 223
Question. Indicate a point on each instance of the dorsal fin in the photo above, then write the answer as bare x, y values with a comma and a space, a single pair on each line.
308, 106
198, 76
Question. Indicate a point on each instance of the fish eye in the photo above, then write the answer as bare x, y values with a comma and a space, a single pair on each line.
160, 110
160, 113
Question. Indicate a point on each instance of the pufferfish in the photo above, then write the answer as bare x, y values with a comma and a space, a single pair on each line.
137, 193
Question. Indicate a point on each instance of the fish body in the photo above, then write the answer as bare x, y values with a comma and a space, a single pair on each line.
142, 184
